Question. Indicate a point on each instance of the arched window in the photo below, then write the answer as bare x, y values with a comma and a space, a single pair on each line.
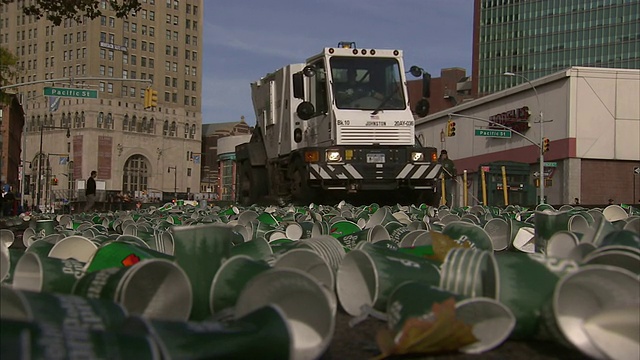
82, 119
143, 126
76, 120
100, 119
51, 122
152, 126
165, 128
133, 124
186, 130
173, 129
125, 123
135, 174
109, 121
192, 133
32, 124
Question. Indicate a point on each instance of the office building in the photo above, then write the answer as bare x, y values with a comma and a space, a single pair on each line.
133, 149
539, 37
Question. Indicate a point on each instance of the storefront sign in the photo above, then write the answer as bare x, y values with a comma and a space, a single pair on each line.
516, 119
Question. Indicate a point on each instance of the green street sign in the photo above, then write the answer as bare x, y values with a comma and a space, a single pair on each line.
550, 164
505, 134
70, 92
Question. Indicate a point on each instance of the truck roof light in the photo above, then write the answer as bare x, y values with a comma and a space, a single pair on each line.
373, 52
355, 52
396, 52
364, 52
347, 44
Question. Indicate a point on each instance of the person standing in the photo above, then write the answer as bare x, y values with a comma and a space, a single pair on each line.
90, 191
450, 173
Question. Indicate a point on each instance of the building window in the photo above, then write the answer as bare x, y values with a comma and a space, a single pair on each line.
109, 121
125, 123
100, 120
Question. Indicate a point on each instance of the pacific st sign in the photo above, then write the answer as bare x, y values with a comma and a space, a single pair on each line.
71, 92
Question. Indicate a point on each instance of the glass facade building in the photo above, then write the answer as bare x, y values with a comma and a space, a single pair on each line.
535, 38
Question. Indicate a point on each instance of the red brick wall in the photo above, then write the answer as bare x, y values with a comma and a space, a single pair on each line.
609, 179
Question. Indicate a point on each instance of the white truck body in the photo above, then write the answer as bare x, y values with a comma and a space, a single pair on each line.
339, 123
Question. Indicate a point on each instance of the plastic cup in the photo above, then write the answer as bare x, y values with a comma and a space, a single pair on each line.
548, 223
583, 310
306, 304
260, 334
231, 278
121, 254
200, 251
310, 262
36, 272
367, 276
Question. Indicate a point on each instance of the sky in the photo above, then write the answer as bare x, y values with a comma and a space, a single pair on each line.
244, 40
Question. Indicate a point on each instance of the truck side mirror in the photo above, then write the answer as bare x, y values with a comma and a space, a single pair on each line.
415, 71
305, 110
298, 86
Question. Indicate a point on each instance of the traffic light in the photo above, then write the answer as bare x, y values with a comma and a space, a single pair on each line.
150, 98
54, 181
545, 145
451, 128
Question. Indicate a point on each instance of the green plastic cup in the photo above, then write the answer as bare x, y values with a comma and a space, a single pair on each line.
367, 276
37, 340
122, 254
36, 272
200, 251
373, 234
58, 309
231, 278
260, 334
548, 223
307, 305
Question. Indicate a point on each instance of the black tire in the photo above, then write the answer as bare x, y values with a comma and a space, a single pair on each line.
244, 184
301, 192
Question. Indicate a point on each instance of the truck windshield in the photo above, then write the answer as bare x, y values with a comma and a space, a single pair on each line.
367, 83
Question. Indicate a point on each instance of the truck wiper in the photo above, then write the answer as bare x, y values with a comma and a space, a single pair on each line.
384, 101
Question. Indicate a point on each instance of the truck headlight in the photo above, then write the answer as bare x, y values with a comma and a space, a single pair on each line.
417, 156
333, 156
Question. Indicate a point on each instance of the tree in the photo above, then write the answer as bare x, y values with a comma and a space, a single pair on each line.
8, 70
56, 11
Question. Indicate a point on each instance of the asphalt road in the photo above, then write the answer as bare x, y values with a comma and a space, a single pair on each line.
359, 343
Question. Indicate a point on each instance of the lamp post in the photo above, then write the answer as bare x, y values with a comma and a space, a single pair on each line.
40, 155
540, 144
175, 181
